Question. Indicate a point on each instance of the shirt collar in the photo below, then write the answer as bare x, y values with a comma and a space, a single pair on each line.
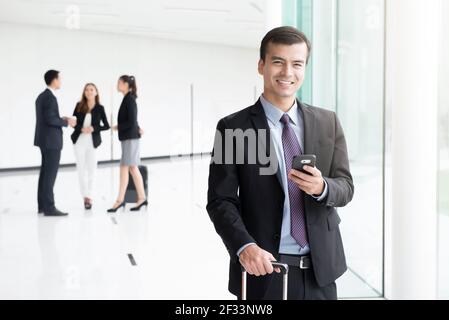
275, 114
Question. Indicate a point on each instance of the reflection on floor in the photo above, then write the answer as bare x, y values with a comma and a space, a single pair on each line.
89, 254
443, 258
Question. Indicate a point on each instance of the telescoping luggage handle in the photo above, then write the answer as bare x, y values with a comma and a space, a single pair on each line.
284, 271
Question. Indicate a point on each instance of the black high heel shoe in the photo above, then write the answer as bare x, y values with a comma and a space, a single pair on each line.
87, 205
145, 203
115, 209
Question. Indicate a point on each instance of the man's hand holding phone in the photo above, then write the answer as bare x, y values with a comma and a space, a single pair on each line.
306, 175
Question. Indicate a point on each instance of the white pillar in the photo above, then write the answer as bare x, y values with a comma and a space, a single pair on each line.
413, 28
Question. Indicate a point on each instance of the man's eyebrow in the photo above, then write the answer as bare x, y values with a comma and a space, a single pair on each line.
277, 58
273, 58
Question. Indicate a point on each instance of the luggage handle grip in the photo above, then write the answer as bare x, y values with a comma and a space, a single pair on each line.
282, 266
284, 270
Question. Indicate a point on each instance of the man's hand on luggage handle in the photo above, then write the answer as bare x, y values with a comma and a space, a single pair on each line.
257, 261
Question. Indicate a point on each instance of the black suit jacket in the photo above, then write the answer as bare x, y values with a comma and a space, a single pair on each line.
128, 127
48, 133
98, 116
245, 206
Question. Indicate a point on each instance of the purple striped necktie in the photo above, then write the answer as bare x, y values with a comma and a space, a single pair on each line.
292, 148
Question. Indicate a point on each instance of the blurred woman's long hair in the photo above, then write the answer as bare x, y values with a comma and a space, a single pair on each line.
82, 104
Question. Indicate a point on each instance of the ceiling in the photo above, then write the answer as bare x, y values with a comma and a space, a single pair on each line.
230, 22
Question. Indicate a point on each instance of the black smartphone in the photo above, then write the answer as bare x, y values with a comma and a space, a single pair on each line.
303, 160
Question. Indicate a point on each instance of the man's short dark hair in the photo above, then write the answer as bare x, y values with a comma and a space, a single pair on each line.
51, 75
284, 35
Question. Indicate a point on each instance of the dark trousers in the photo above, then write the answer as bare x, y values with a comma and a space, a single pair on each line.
47, 178
302, 285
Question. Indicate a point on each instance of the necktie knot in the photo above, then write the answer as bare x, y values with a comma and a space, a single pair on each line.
285, 119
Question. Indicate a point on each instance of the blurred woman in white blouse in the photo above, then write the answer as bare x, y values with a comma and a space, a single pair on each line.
91, 120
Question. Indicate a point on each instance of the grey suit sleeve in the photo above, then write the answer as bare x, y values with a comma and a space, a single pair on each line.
223, 202
51, 114
339, 181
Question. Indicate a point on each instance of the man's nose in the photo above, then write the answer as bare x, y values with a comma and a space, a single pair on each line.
287, 70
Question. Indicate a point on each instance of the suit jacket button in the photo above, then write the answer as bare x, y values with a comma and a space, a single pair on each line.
277, 236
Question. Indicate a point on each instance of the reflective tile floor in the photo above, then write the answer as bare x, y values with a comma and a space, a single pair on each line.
170, 251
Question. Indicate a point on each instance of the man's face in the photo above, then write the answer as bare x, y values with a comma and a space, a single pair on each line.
57, 82
283, 69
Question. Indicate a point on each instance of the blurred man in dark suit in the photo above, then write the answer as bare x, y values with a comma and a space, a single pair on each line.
48, 137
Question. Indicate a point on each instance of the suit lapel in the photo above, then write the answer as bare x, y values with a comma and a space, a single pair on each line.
309, 129
260, 122
310, 140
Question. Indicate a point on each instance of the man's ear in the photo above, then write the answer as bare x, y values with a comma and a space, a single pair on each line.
260, 67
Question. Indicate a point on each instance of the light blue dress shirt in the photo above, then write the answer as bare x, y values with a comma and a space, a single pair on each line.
288, 245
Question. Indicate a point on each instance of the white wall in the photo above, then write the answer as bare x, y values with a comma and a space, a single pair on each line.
224, 80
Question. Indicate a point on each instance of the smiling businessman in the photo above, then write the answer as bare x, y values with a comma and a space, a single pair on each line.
288, 216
